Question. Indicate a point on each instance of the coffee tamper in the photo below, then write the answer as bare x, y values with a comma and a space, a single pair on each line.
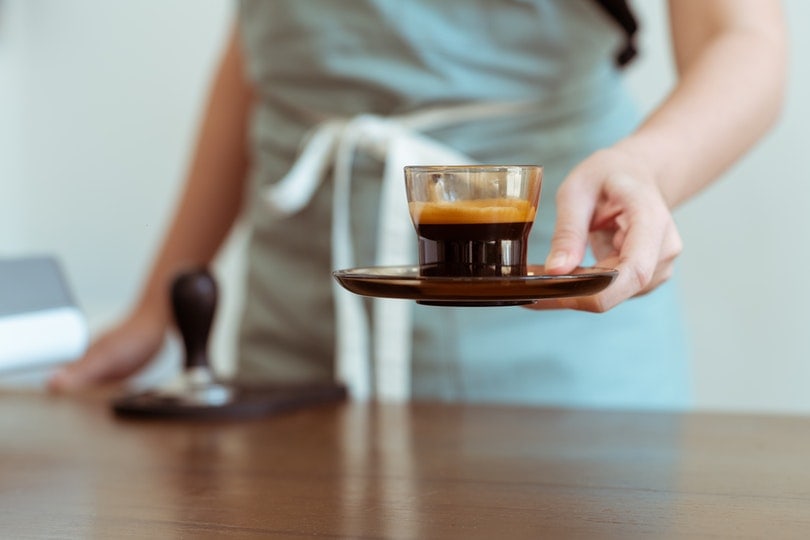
198, 392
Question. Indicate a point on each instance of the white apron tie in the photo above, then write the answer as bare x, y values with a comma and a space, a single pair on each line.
397, 142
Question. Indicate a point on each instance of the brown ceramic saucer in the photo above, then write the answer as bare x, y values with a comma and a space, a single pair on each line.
405, 282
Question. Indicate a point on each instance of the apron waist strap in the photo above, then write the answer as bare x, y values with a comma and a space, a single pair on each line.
397, 141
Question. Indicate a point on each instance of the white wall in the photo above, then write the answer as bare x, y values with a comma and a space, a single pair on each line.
100, 101
11, 145
98, 107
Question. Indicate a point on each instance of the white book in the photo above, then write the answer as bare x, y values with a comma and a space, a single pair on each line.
40, 324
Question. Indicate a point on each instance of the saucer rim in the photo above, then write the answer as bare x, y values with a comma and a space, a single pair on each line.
374, 282
372, 272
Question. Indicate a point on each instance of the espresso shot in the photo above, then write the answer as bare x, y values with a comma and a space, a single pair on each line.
481, 238
473, 222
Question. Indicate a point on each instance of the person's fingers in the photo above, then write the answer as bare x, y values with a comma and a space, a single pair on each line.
575, 205
113, 357
100, 364
634, 279
670, 249
597, 303
85, 372
647, 246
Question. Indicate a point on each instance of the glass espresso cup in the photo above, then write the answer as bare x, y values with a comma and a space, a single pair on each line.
473, 220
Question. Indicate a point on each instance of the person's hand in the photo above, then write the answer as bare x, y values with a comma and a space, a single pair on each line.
612, 201
115, 355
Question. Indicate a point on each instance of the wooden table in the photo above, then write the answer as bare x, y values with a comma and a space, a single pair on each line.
70, 469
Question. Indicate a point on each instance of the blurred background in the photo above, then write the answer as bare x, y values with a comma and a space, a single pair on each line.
99, 105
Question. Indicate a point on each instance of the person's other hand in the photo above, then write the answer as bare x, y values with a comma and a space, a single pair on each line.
612, 201
118, 353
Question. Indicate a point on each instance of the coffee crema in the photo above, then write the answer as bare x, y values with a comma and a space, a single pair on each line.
476, 238
501, 210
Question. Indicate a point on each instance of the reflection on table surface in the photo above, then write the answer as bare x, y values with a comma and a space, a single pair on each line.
70, 469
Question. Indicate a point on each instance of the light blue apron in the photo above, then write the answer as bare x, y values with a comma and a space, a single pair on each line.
316, 61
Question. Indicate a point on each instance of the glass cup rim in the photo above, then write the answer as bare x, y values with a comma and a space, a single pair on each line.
471, 168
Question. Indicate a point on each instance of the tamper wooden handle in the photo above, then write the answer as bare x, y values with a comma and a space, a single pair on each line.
194, 301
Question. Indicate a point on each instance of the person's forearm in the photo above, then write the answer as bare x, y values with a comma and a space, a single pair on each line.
729, 93
212, 196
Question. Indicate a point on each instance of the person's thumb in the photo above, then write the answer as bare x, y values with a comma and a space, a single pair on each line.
570, 239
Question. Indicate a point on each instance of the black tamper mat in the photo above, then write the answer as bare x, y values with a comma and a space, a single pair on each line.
199, 393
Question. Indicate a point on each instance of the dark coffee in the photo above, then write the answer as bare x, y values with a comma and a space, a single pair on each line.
473, 249
475, 238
